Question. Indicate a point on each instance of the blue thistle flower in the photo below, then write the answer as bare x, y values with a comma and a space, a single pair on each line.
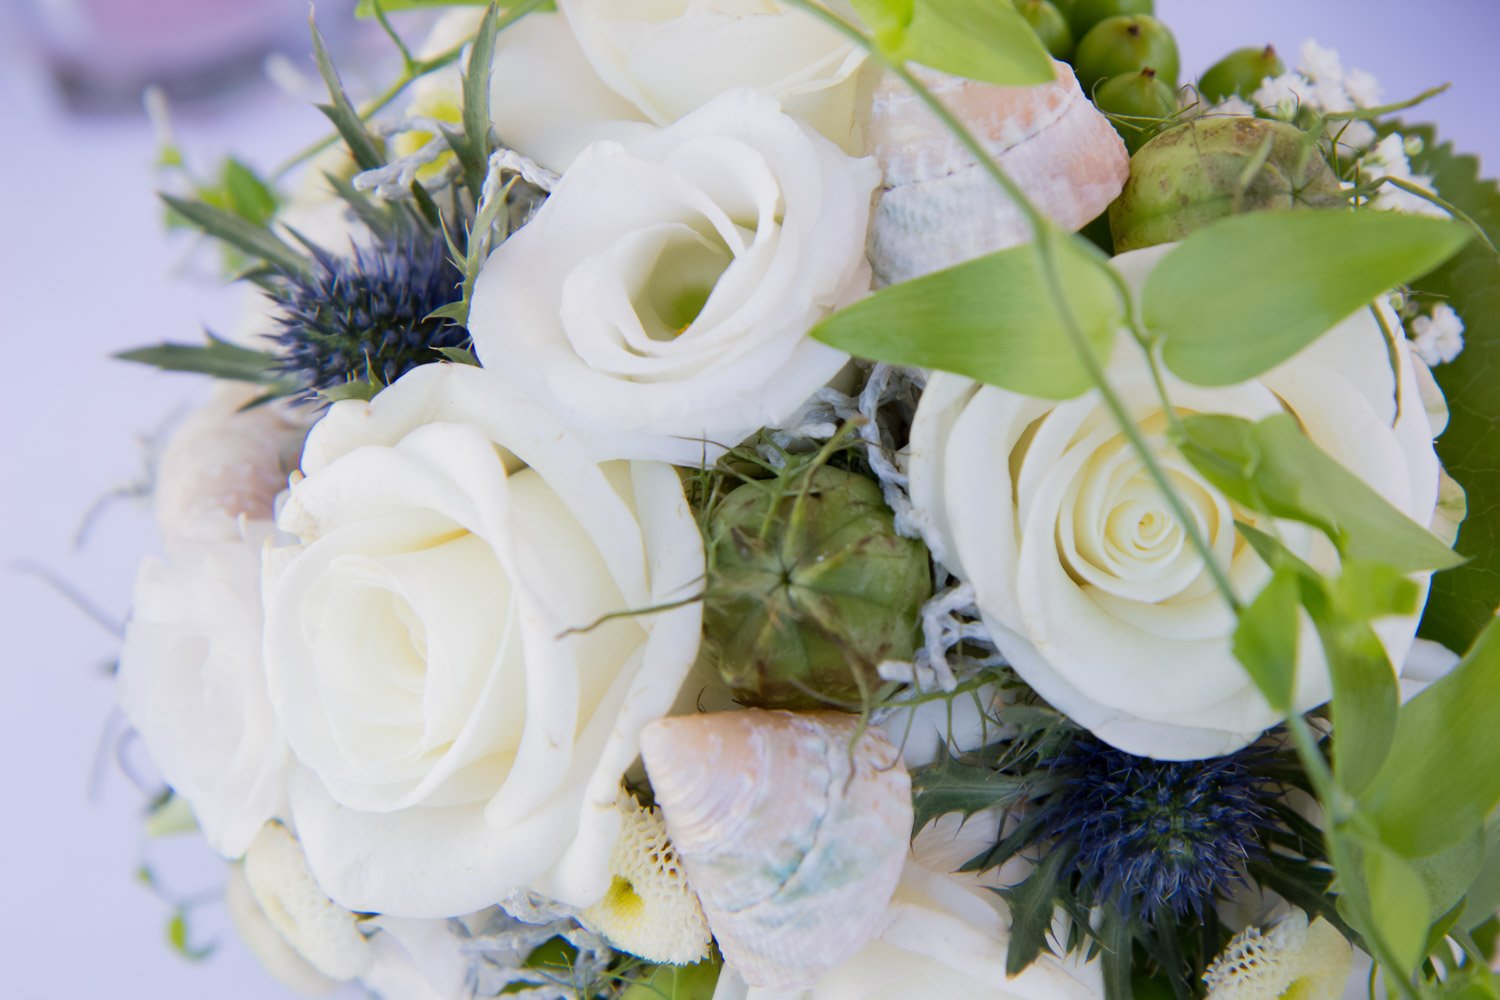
367, 313
1159, 838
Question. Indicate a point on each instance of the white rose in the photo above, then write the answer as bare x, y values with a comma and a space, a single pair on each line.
455, 741
669, 59
663, 294
1083, 576
945, 936
191, 680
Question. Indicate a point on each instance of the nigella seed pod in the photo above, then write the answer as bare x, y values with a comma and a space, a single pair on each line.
809, 589
1049, 24
1240, 73
1120, 45
1193, 174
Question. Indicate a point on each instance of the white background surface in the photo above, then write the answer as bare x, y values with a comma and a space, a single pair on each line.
85, 270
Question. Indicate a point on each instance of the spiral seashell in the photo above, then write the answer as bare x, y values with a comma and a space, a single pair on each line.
940, 208
792, 832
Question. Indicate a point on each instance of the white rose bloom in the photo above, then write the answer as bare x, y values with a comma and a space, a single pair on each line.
663, 294
1083, 576
191, 680
670, 58
944, 936
455, 740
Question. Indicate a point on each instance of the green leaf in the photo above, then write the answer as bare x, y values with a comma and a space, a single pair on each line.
1273, 468
1265, 639
1244, 294
1116, 957
172, 817
473, 153
366, 8
218, 358
1399, 905
1463, 601
676, 982
458, 355
248, 196
1365, 697
1449, 873
1442, 778
227, 227
1367, 590
990, 319
1483, 899
978, 39
363, 146
1031, 908
353, 389
950, 786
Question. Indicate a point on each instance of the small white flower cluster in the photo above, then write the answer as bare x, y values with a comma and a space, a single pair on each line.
1439, 335
1390, 161
1321, 83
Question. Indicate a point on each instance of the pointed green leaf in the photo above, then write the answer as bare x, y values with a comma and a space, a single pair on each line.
1265, 639
1032, 904
249, 197
949, 786
1463, 601
474, 156
458, 355
1246, 293
363, 146
1273, 468
354, 389
978, 39
1399, 904
990, 319
1442, 778
257, 241
218, 358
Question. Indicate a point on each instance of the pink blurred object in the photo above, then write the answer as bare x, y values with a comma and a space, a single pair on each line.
102, 53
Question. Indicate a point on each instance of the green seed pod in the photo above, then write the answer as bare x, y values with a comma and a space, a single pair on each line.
1049, 24
1142, 100
1120, 45
1240, 73
1087, 13
809, 589
1193, 174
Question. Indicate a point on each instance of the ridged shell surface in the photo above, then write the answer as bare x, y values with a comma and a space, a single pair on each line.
792, 832
939, 207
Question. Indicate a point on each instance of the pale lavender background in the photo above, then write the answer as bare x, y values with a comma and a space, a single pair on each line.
85, 271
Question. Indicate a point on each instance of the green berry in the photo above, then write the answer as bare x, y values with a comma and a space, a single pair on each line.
1141, 100
1239, 73
1049, 24
809, 589
1196, 173
1087, 13
1120, 45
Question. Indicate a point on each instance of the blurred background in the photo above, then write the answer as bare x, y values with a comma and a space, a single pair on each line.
87, 269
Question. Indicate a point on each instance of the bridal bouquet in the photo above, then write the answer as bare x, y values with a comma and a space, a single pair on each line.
861, 498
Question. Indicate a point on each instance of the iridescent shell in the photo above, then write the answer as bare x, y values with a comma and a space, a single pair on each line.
792, 832
939, 206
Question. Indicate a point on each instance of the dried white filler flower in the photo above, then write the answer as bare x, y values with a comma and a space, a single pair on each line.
649, 909
1438, 337
1294, 959
321, 931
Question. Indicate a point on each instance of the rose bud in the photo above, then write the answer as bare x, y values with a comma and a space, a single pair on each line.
1119, 45
809, 589
1193, 174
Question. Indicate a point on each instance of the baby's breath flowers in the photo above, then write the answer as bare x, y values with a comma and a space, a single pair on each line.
1439, 335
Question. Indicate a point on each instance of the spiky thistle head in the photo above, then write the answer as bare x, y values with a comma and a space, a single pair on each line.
1159, 838
367, 314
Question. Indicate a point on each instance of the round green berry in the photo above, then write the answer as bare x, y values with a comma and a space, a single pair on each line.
1142, 103
1049, 24
1120, 45
1087, 13
1240, 73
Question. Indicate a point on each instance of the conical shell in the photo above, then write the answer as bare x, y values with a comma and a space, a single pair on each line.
939, 207
792, 833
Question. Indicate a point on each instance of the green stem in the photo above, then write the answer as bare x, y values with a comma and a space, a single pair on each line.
1041, 230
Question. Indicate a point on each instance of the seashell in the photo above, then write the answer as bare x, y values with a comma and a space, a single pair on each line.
940, 208
792, 832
